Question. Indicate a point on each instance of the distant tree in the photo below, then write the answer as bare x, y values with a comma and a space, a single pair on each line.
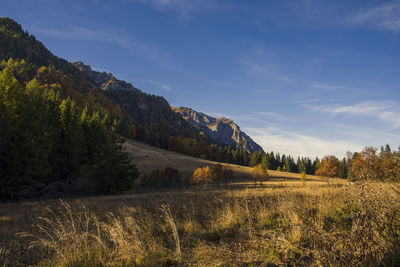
286, 166
316, 164
366, 165
217, 174
300, 165
255, 158
370, 165
202, 175
174, 177
343, 168
265, 160
228, 175
329, 167
168, 178
303, 177
389, 164
260, 174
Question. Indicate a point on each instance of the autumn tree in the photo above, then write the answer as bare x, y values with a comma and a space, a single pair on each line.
260, 173
389, 164
328, 167
202, 175
366, 165
369, 165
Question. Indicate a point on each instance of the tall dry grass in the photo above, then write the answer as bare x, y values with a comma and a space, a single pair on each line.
330, 225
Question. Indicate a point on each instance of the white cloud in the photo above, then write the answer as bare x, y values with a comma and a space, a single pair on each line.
297, 144
385, 16
388, 111
161, 85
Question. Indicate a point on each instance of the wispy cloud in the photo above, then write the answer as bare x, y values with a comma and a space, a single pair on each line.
264, 91
297, 144
184, 8
120, 39
161, 85
388, 111
81, 33
326, 87
276, 116
266, 70
385, 16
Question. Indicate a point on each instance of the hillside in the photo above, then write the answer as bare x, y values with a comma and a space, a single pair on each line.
147, 158
222, 130
18, 44
154, 119
143, 116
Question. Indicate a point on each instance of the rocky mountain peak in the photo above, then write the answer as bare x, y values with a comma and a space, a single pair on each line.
103, 80
222, 130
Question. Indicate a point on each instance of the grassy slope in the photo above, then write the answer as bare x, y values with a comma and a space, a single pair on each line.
148, 158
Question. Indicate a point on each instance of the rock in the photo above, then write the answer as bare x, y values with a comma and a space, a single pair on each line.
103, 80
222, 130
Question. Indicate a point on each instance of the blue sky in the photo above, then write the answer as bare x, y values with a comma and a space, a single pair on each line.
309, 77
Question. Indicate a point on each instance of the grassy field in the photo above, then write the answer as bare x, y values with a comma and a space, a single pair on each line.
147, 158
330, 224
284, 222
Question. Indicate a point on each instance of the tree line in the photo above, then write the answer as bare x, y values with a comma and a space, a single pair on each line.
46, 138
274, 161
369, 164
216, 175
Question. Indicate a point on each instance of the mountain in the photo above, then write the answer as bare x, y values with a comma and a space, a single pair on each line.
222, 130
103, 80
18, 44
133, 113
155, 120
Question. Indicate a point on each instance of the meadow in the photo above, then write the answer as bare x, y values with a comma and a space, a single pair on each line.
331, 223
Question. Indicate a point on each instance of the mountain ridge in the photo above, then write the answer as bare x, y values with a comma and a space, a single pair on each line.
222, 130
103, 80
138, 115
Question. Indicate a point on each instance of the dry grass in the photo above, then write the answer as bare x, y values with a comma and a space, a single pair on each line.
147, 158
316, 224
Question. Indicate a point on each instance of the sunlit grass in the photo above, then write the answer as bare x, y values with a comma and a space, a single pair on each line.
311, 224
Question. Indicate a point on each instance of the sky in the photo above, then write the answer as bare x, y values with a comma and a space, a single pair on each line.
302, 77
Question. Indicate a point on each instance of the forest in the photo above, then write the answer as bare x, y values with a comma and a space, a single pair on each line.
57, 141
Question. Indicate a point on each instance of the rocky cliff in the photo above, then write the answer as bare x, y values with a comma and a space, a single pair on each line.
103, 80
221, 130
154, 119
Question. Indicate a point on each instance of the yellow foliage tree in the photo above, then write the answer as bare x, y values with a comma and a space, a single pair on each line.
260, 173
202, 175
329, 167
